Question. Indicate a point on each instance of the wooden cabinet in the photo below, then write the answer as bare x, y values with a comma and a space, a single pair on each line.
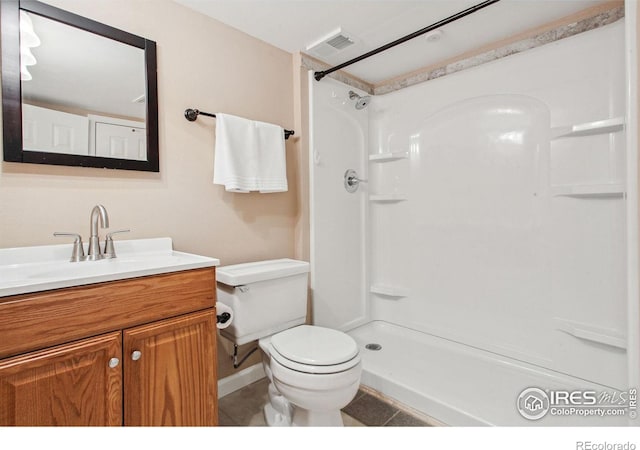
145, 370
70, 384
167, 367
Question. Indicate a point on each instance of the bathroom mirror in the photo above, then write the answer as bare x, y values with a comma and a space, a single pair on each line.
76, 92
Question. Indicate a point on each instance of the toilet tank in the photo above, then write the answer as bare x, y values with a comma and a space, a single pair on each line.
266, 297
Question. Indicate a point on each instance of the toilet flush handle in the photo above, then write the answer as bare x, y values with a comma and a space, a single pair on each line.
243, 288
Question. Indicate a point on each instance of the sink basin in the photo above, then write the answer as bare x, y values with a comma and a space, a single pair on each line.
33, 269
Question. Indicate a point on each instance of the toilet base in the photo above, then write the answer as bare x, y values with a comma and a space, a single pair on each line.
278, 411
275, 419
306, 418
302, 418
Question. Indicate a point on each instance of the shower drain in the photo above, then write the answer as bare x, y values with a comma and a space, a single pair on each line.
373, 347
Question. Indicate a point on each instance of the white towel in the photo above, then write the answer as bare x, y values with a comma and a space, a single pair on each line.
250, 155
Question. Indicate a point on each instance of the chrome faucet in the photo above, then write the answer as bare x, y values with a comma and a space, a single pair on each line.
98, 212
94, 240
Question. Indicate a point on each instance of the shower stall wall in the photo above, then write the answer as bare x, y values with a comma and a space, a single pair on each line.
487, 252
338, 137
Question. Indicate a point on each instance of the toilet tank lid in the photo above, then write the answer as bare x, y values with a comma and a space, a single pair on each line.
239, 274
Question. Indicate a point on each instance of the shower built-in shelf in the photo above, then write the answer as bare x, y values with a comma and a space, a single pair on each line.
387, 198
389, 291
391, 156
592, 333
603, 190
589, 128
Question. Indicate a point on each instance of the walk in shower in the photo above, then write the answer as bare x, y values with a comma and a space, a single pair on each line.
485, 246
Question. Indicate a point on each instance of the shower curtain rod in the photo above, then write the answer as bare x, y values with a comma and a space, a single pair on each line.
321, 74
192, 114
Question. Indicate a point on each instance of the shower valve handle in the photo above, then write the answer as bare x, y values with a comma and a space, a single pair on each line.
351, 181
355, 180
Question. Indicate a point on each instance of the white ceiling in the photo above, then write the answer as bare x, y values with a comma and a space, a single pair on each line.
292, 25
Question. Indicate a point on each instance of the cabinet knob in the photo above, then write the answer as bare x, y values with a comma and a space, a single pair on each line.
113, 362
136, 355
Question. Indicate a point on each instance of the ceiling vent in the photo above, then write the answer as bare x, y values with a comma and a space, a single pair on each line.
331, 44
340, 41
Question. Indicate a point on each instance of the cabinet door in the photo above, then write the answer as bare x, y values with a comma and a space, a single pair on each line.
170, 372
76, 384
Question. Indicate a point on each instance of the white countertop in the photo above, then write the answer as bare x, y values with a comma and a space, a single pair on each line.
42, 268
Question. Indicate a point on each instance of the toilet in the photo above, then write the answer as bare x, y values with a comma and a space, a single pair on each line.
313, 371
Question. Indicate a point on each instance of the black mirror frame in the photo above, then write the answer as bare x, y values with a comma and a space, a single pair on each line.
12, 90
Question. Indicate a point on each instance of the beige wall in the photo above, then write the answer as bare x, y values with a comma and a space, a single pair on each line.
201, 64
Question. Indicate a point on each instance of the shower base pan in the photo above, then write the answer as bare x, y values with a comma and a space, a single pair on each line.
457, 384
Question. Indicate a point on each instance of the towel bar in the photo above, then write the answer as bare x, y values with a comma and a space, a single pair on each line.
192, 114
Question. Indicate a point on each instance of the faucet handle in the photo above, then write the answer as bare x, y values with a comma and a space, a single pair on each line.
109, 248
77, 253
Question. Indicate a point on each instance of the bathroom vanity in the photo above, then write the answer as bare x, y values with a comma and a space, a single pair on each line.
137, 349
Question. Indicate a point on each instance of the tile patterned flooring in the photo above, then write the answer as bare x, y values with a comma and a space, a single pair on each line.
244, 408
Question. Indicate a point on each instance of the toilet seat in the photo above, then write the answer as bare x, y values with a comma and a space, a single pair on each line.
313, 349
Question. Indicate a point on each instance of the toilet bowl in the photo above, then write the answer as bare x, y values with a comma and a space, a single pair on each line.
317, 370
313, 371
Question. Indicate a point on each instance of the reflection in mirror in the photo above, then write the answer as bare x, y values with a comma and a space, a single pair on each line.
75, 91
82, 94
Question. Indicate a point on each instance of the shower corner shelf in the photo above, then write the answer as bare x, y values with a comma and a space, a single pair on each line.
612, 125
389, 291
390, 156
587, 332
387, 198
601, 190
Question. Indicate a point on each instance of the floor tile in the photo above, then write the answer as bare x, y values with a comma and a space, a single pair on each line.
225, 420
402, 419
244, 407
370, 411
